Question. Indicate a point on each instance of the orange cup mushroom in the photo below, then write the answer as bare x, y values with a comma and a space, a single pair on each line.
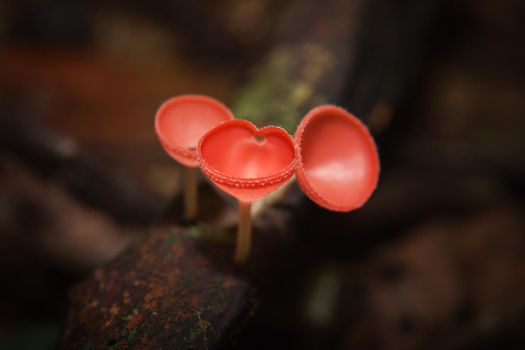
339, 163
180, 123
247, 163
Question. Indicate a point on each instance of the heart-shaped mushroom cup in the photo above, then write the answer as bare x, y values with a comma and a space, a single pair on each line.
247, 163
180, 123
339, 163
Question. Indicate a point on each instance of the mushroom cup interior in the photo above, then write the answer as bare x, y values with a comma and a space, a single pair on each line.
238, 150
183, 120
339, 159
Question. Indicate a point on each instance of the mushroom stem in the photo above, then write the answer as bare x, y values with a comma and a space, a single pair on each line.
190, 193
244, 233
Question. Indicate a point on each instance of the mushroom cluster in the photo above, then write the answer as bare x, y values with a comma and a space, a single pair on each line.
332, 154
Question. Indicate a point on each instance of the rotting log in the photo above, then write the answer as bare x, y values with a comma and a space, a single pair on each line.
164, 293
158, 293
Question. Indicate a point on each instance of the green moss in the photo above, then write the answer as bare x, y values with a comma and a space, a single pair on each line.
208, 232
174, 238
133, 333
125, 318
202, 334
285, 88
194, 232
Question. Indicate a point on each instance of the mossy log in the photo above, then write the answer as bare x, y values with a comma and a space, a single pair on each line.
164, 293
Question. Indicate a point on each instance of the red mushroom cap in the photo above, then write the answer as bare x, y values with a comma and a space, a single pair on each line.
339, 164
247, 162
181, 121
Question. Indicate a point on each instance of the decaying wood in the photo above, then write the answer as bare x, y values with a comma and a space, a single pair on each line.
164, 293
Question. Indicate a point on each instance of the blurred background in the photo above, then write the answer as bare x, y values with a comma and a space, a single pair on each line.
435, 260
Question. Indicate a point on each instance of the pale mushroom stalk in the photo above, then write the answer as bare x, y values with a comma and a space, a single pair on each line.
244, 233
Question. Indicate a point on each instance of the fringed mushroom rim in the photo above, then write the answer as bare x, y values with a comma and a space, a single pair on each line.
300, 173
184, 151
257, 182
